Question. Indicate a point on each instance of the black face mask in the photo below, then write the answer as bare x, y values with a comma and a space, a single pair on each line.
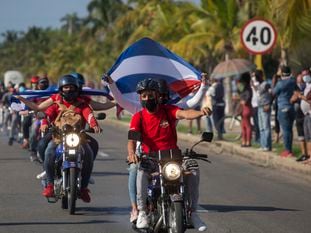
70, 95
150, 104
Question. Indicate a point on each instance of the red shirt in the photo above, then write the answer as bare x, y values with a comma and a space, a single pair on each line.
83, 109
158, 129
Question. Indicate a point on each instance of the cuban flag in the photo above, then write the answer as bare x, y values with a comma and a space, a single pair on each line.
149, 59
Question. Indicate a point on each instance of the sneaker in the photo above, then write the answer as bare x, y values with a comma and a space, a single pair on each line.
134, 216
266, 149
48, 191
11, 141
303, 158
142, 220
41, 176
286, 154
25, 144
197, 222
84, 195
91, 180
33, 158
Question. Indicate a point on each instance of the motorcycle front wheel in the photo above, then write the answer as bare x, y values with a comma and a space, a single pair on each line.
72, 192
176, 220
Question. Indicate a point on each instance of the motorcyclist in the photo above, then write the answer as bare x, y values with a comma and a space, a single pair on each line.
96, 106
164, 98
157, 125
69, 90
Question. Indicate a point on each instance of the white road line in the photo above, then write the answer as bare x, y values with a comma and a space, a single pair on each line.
102, 154
200, 209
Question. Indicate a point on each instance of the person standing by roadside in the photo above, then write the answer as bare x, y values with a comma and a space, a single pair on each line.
257, 77
306, 109
300, 116
276, 77
284, 90
245, 92
264, 114
217, 92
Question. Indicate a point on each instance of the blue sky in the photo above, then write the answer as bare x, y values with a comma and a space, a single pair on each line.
19, 15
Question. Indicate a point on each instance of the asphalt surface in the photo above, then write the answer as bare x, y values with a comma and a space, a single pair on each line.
236, 196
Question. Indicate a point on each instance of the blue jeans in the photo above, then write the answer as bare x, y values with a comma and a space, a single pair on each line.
209, 124
286, 117
256, 124
132, 182
264, 122
49, 163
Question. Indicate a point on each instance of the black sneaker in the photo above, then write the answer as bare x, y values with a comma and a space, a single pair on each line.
303, 158
11, 141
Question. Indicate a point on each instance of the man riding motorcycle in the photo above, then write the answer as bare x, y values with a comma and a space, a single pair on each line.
69, 90
157, 125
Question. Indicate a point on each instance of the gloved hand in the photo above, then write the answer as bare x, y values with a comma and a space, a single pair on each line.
190, 164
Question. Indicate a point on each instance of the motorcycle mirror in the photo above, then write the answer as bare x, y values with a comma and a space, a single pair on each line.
134, 135
41, 115
207, 136
101, 116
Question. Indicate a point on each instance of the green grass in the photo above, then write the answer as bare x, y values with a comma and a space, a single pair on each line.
277, 147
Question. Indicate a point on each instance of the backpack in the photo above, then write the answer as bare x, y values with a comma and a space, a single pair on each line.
67, 116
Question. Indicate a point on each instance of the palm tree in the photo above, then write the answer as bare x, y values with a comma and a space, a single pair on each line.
292, 19
72, 23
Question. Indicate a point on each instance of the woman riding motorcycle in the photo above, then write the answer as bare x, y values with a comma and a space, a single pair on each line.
69, 90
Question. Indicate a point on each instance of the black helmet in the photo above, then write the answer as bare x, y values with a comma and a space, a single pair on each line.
79, 77
67, 80
147, 84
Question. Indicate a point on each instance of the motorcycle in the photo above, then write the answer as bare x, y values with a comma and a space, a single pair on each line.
68, 166
168, 207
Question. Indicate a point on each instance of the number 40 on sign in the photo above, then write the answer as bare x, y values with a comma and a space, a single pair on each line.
258, 36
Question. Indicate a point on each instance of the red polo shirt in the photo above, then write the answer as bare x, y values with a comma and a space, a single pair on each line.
158, 129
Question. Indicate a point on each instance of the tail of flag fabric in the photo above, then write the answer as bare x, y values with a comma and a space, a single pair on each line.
149, 59
16, 105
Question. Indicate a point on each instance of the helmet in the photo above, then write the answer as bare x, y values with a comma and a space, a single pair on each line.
147, 84
43, 83
79, 77
67, 80
34, 79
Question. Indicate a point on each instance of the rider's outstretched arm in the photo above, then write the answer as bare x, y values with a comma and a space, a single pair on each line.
98, 106
37, 107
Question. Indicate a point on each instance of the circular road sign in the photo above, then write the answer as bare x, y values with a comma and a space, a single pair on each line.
258, 36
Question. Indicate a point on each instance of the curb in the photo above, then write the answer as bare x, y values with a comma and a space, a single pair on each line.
252, 155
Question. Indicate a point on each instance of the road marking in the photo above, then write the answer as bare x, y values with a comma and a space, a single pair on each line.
102, 154
202, 210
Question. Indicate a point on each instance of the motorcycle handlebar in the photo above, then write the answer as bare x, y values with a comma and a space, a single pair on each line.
199, 156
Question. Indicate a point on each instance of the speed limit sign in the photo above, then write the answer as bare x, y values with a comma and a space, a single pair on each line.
258, 36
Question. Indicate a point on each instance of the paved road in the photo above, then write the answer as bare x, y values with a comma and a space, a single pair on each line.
236, 197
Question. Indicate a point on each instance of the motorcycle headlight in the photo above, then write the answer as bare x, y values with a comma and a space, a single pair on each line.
72, 140
171, 171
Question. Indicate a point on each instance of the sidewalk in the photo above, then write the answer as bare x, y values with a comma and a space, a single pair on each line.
253, 155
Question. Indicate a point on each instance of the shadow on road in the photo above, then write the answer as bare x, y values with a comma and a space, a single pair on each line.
109, 174
112, 210
227, 208
53, 223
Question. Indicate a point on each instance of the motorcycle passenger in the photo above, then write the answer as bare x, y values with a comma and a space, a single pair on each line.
27, 119
43, 84
69, 91
157, 125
